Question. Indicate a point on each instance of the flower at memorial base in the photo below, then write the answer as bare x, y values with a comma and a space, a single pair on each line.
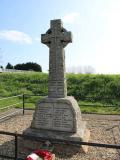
33, 156
45, 154
39, 155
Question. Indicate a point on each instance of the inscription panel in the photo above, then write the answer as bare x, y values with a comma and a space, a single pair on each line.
44, 116
54, 116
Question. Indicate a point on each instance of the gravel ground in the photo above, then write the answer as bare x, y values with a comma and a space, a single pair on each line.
104, 129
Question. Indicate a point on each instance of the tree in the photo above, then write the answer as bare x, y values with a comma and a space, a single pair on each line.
9, 66
28, 66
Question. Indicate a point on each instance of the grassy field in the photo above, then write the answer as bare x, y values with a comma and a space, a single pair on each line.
105, 90
86, 107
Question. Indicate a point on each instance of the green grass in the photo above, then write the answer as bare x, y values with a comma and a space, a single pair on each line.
86, 107
78, 85
97, 107
10, 103
100, 110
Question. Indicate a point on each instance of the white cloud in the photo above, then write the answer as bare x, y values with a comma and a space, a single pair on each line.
37, 39
71, 17
15, 36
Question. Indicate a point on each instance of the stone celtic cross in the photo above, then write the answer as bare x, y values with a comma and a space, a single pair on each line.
58, 116
56, 38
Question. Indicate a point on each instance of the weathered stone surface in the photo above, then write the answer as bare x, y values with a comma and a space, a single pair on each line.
56, 38
57, 116
61, 114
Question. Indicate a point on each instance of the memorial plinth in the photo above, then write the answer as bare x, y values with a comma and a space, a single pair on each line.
58, 116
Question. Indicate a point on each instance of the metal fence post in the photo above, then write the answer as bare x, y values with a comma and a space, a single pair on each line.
23, 104
16, 146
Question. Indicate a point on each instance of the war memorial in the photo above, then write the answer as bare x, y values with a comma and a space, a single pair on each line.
58, 116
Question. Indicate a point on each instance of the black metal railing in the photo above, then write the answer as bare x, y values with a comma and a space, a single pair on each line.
23, 101
53, 141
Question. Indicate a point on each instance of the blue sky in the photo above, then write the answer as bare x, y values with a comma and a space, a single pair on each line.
95, 25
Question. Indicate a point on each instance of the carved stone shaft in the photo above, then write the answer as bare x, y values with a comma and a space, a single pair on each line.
56, 38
